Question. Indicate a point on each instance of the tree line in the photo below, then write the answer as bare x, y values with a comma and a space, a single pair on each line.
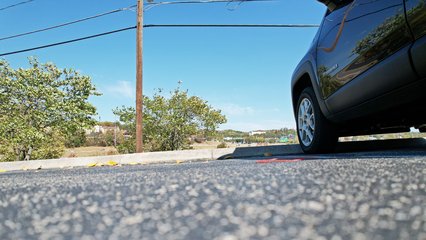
44, 108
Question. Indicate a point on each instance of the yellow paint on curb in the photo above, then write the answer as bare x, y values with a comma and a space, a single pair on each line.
2, 171
92, 164
111, 163
179, 161
133, 163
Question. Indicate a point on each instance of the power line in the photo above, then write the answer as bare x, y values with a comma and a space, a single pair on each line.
151, 5
15, 5
235, 25
128, 8
68, 23
164, 25
147, 25
67, 42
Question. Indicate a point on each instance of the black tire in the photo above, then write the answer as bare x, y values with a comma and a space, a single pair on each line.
324, 134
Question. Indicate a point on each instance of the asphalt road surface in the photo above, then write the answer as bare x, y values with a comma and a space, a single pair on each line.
374, 192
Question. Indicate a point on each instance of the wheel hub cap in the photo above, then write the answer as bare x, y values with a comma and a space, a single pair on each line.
306, 122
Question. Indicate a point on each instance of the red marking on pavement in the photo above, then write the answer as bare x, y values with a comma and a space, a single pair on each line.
278, 160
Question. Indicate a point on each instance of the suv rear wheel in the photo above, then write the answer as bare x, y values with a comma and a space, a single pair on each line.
316, 133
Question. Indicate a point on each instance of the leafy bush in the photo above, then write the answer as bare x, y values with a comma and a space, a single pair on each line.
76, 138
39, 107
222, 145
169, 122
104, 139
127, 146
52, 147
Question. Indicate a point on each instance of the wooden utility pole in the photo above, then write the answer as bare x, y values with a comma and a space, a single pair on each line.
139, 78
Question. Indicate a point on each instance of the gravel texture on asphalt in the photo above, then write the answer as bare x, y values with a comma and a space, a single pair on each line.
346, 198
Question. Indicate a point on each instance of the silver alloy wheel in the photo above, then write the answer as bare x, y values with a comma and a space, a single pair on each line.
306, 122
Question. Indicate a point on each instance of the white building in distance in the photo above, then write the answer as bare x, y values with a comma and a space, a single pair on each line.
258, 132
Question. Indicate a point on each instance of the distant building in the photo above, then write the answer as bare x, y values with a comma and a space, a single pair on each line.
101, 129
258, 132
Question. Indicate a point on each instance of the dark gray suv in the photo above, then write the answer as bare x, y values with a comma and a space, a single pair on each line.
365, 72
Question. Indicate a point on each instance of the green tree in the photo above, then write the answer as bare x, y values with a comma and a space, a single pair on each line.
76, 138
106, 124
170, 122
39, 107
107, 138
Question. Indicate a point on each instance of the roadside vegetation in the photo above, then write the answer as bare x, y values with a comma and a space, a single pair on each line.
384, 137
170, 122
40, 107
284, 135
45, 110
45, 113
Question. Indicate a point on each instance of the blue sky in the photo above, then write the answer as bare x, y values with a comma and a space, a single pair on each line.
244, 72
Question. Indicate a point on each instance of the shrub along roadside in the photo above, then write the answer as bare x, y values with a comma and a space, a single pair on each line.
169, 122
40, 106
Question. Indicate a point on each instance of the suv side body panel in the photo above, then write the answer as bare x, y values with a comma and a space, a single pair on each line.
354, 42
366, 89
418, 53
416, 17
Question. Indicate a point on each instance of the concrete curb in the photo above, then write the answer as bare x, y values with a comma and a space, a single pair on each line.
153, 157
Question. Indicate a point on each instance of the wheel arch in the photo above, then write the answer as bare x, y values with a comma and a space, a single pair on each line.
304, 77
303, 82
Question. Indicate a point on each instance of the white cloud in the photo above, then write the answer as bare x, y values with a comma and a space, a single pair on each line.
248, 118
121, 89
231, 109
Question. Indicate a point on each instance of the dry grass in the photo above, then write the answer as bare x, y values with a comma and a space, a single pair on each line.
213, 145
89, 151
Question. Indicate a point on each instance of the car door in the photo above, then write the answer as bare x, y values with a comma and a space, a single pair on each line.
416, 17
356, 38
